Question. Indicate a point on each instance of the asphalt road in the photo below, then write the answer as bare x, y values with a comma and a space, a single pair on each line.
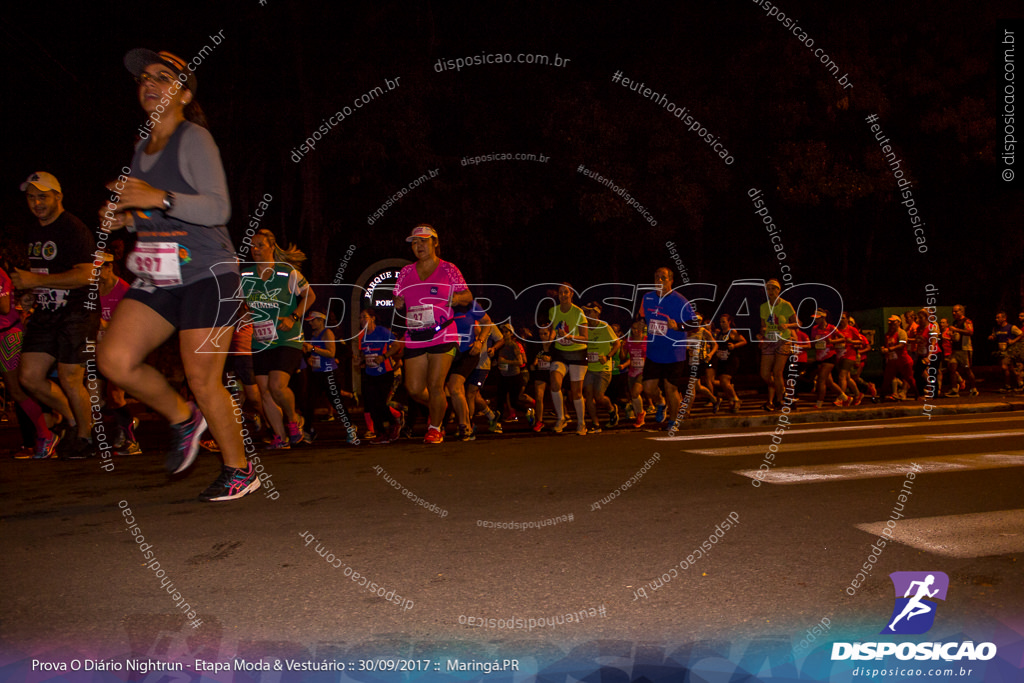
74, 579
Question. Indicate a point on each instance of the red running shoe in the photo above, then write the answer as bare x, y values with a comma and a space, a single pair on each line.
434, 435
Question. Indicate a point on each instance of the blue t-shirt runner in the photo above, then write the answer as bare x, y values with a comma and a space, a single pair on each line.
667, 312
466, 318
373, 346
666, 334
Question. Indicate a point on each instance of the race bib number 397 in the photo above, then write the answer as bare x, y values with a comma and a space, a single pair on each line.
156, 263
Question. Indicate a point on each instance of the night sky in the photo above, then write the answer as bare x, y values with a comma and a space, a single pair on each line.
931, 72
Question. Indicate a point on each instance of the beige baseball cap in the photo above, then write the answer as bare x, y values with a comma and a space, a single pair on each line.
42, 181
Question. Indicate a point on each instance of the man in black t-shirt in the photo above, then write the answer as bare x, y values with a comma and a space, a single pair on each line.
61, 257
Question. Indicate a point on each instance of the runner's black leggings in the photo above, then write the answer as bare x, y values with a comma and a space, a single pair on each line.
375, 398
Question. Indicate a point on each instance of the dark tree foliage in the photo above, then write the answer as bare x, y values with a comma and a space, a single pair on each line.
927, 70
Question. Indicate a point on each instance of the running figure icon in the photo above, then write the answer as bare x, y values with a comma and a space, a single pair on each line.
915, 606
917, 594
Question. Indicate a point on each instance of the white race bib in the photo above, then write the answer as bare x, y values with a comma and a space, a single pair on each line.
593, 357
636, 362
658, 327
723, 355
156, 263
372, 361
264, 331
543, 364
421, 316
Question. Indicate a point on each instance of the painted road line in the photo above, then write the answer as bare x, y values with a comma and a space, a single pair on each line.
740, 435
885, 468
976, 534
795, 429
851, 443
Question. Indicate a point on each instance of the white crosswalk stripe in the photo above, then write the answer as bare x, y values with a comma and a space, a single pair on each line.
968, 535
854, 443
976, 534
885, 468
915, 423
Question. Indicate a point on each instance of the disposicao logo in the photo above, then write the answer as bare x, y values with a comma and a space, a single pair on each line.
914, 613
916, 595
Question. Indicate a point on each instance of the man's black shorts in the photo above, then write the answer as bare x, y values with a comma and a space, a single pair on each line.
286, 359
62, 334
677, 374
464, 364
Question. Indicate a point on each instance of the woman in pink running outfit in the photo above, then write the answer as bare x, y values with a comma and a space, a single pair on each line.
427, 290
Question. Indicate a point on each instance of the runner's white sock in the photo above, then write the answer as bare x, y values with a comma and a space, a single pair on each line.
638, 406
556, 401
580, 410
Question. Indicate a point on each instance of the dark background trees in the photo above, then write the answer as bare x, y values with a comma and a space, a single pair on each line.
930, 71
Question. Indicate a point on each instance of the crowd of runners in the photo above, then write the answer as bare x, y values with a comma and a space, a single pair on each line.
259, 360
669, 362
